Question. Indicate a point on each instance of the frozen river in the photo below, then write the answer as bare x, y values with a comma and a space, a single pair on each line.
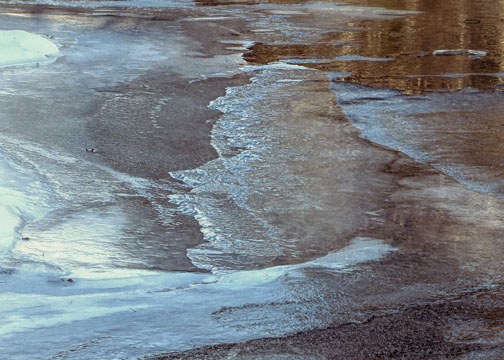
258, 169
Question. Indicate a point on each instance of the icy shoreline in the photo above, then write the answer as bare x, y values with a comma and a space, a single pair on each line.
18, 47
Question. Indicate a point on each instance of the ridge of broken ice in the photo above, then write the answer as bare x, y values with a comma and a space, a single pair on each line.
19, 47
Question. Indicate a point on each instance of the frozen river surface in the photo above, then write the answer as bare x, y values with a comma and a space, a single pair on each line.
257, 170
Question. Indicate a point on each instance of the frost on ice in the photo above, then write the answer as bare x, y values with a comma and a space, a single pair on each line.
18, 47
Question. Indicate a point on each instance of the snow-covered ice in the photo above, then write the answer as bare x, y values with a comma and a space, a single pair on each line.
18, 47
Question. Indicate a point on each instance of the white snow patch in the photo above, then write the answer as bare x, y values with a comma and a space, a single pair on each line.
18, 47
8, 224
453, 52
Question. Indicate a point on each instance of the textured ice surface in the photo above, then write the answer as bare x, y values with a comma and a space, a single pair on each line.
145, 313
456, 132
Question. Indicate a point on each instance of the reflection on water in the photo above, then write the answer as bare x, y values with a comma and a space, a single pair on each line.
459, 132
251, 2
410, 41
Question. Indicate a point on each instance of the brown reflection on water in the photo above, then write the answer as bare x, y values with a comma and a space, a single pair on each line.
410, 42
251, 2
